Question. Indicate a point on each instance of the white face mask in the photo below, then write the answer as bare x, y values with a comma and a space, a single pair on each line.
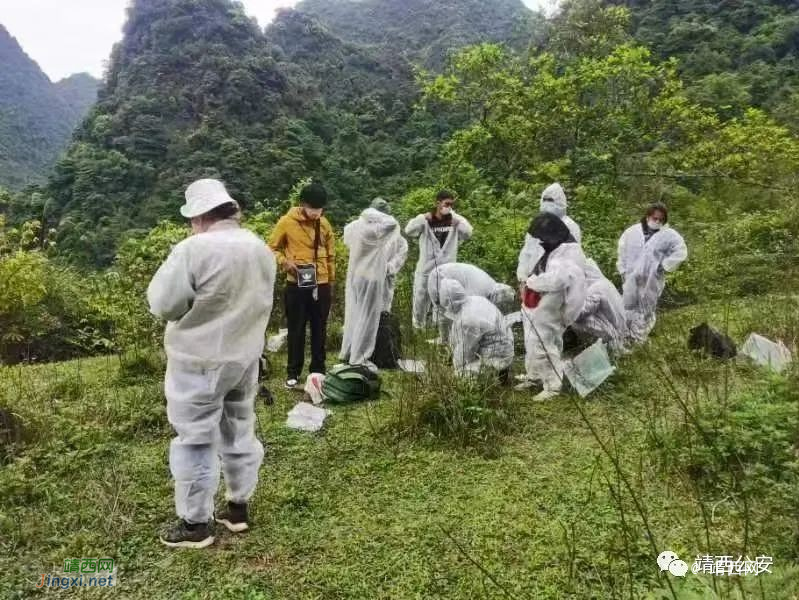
445, 210
653, 225
551, 208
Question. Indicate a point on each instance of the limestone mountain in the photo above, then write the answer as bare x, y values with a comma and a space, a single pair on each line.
36, 116
422, 31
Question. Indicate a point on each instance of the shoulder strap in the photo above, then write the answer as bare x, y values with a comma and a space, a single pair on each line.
317, 226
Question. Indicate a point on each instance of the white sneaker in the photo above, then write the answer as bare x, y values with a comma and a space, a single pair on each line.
291, 384
545, 395
436, 342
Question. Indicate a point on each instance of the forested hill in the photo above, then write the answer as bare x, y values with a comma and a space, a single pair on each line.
732, 54
79, 91
36, 116
197, 89
425, 31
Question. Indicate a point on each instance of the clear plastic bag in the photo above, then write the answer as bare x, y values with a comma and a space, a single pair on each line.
306, 417
313, 387
275, 342
766, 353
589, 369
412, 366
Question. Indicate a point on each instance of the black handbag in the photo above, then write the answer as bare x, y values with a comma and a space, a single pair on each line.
306, 273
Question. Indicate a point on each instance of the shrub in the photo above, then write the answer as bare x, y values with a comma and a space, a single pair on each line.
44, 311
474, 412
753, 437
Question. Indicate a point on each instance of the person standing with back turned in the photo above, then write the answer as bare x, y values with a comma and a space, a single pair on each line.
305, 247
215, 290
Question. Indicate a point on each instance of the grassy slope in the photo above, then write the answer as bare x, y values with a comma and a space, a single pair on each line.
358, 512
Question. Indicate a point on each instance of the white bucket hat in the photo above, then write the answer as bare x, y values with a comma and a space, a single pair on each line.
205, 195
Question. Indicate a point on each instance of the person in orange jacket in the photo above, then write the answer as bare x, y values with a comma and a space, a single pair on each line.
304, 245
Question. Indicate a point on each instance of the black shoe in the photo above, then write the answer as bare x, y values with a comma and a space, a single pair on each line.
234, 518
188, 535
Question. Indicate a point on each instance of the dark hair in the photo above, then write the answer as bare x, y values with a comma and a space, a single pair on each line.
444, 195
550, 230
314, 195
658, 206
224, 211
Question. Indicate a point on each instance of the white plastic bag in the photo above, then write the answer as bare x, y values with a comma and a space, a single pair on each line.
767, 353
275, 342
411, 366
589, 369
306, 417
313, 387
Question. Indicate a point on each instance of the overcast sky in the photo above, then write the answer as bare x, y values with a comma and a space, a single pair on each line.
71, 36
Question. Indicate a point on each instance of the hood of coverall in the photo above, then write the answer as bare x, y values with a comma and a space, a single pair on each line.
553, 200
452, 297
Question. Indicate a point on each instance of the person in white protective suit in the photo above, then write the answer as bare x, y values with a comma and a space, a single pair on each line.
397, 252
647, 251
475, 281
367, 271
479, 336
554, 296
553, 201
603, 315
439, 233
215, 290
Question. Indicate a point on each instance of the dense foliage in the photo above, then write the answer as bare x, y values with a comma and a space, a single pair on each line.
46, 311
602, 115
36, 116
593, 109
426, 32
732, 54
196, 89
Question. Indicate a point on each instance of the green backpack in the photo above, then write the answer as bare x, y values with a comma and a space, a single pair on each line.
350, 383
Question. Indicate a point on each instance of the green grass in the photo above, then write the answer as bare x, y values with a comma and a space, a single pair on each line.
359, 511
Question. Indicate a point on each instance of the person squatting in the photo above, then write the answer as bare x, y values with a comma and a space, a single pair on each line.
215, 290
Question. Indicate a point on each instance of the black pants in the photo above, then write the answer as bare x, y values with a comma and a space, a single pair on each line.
301, 309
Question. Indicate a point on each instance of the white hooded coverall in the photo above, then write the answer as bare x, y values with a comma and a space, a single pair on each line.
643, 266
603, 315
215, 289
479, 335
431, 255
474, 280
563, 294
553, 201
367, 271
397, 252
